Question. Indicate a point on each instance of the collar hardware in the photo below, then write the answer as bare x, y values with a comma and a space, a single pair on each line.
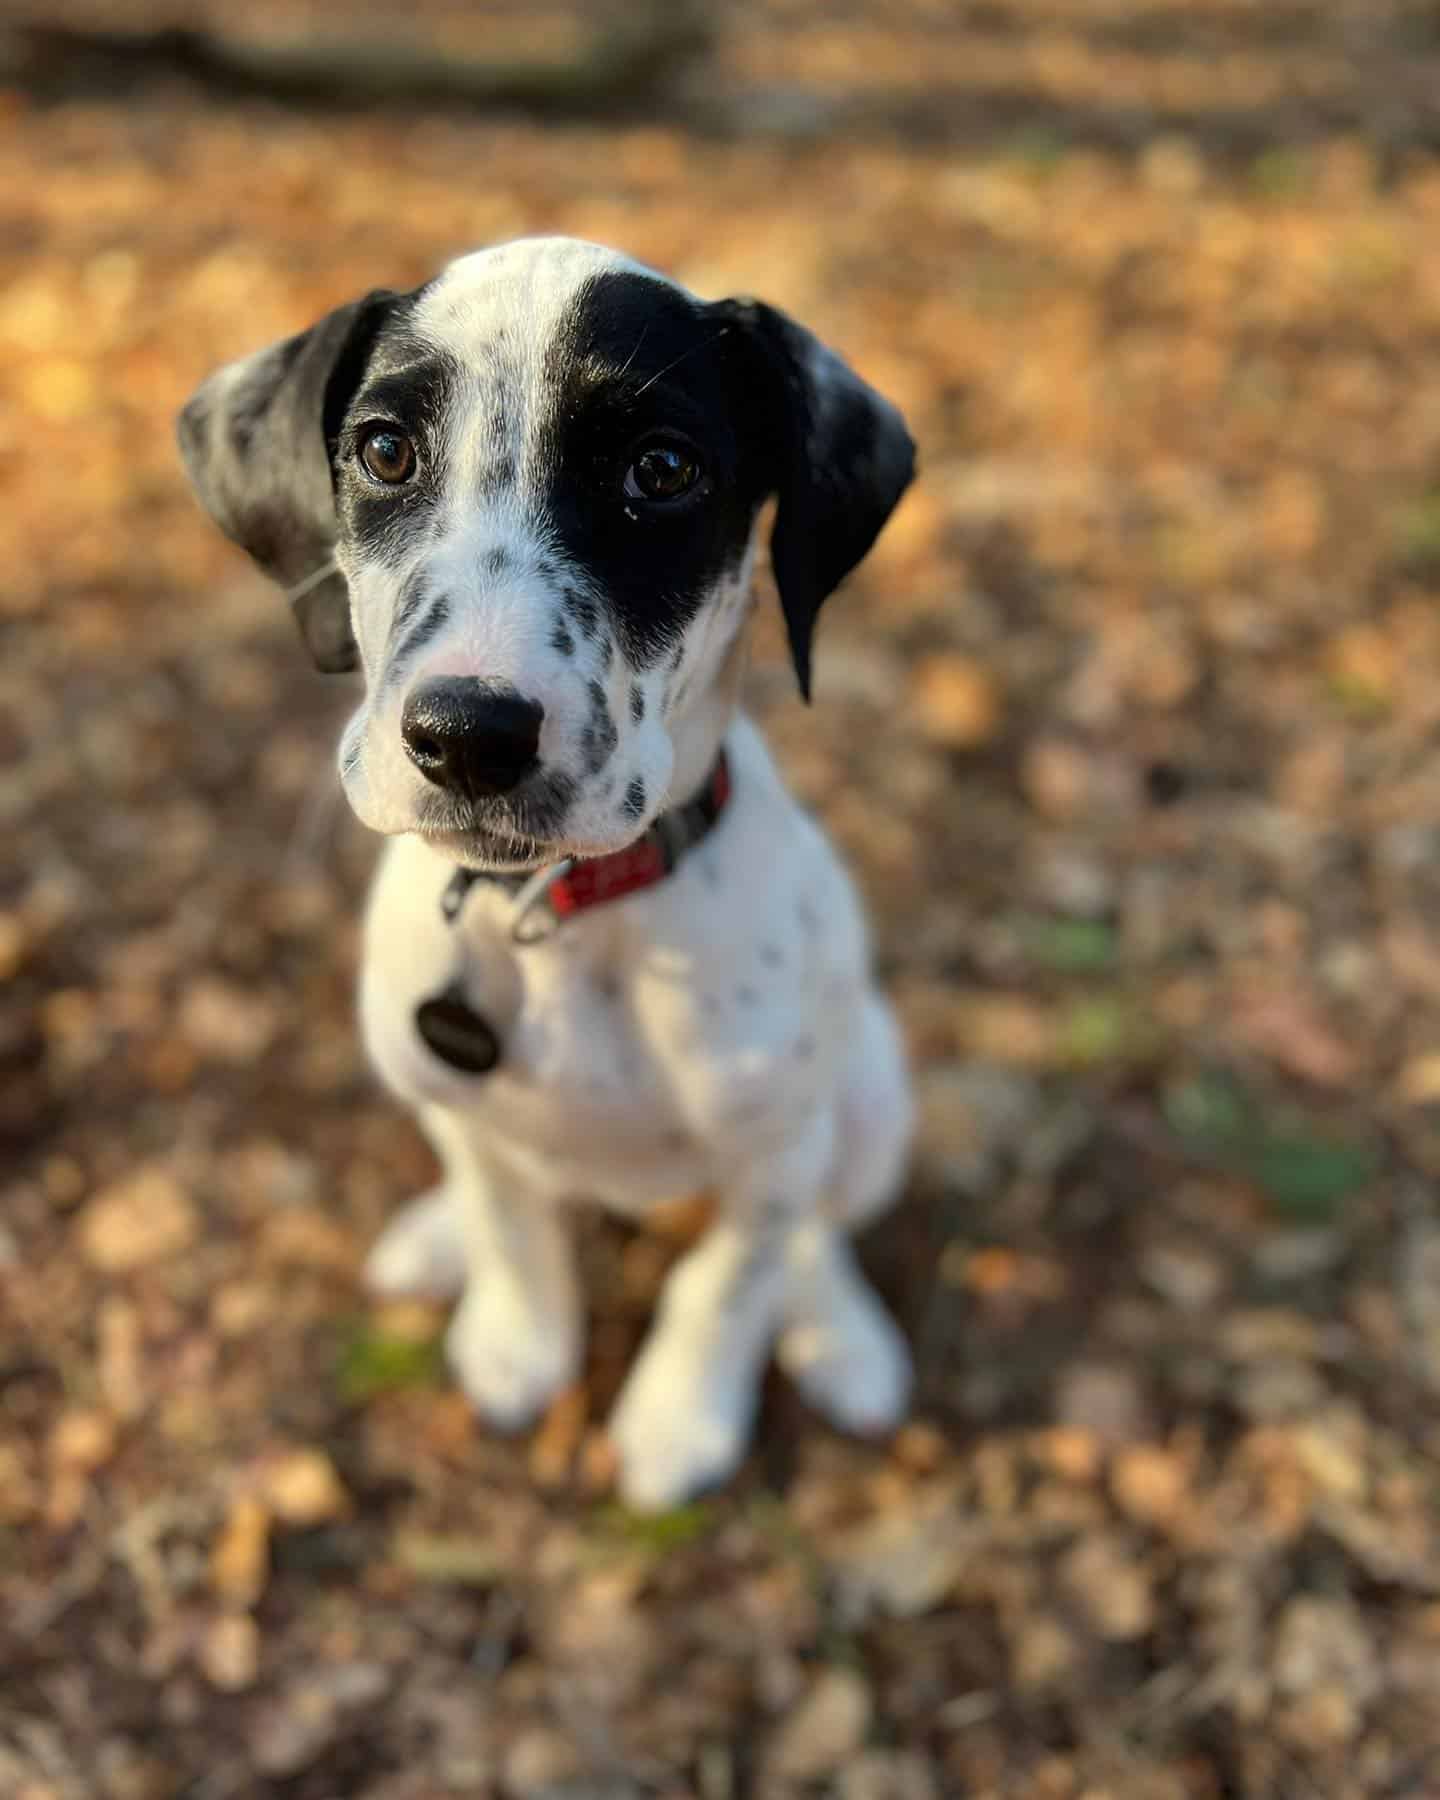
544, 900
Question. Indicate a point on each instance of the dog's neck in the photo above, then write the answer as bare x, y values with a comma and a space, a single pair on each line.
698, 735
698, 732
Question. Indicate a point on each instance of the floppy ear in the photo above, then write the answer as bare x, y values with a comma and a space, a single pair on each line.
256, 440
841, 460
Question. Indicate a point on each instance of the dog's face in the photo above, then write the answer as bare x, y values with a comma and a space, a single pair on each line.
521, 499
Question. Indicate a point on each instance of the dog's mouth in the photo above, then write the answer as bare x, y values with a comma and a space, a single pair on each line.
492, 853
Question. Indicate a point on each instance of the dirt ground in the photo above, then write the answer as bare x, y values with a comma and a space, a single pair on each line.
1129, 728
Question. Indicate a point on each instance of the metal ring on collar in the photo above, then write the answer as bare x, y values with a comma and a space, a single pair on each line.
527, 930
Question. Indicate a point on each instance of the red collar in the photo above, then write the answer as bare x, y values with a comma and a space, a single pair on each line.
557, 893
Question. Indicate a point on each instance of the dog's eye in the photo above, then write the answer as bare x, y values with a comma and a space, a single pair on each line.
387, 454
661, 472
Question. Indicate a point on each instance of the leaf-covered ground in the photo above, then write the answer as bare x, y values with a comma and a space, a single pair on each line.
1129, 727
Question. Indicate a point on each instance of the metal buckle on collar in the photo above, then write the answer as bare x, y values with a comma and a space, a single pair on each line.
530, 900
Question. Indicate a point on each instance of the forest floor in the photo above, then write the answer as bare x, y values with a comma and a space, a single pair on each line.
1129, 729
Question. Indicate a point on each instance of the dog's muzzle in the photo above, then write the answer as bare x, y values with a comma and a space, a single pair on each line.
470, 739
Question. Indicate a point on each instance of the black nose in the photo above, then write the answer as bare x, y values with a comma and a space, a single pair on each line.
468, 738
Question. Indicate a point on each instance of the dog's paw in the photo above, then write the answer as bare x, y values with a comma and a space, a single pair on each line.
504, 1357
420, 1251
676, 1433
851, 1364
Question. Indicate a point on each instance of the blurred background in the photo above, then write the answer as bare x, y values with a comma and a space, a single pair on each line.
1129, 729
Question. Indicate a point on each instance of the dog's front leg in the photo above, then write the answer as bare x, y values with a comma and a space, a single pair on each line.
684, 1416
515, 1338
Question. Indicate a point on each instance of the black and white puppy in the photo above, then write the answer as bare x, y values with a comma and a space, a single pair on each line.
522, 500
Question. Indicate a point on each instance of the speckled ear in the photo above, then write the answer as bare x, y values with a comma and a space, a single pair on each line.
842, 459
257, 440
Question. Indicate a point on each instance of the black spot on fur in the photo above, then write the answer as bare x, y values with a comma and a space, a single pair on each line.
607, 654
583, 611
497, 560
637, 703
423, 630
561, 640
545, 568
599, 738
498, 475
635, 797
412, 598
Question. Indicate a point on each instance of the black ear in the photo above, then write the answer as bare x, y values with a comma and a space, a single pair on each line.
841, 460
256, 440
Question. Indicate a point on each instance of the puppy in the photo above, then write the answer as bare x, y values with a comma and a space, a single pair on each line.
606, 954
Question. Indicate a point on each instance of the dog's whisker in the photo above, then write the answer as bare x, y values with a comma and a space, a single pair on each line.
684, 356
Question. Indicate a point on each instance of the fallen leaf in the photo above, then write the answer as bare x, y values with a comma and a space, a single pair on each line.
240, 1559
138, 1221
823, 1731
301, 1488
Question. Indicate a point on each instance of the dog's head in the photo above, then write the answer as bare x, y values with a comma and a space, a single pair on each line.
521, 499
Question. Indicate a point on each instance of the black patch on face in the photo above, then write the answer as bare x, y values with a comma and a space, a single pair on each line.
413, 391
497, 560
599, 738
639, 360
634, 805
637, 703
561, 640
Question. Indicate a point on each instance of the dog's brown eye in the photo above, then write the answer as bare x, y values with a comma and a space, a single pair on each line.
662, 472
388, 455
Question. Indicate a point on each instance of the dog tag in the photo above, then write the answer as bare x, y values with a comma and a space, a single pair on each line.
456, 1033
